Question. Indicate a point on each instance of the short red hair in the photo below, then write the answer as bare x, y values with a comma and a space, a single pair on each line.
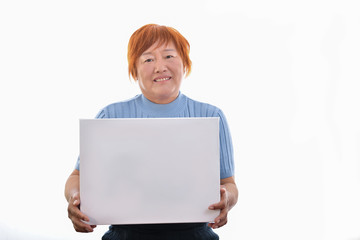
147, 35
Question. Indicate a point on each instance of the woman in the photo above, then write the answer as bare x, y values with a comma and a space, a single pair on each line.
158, 58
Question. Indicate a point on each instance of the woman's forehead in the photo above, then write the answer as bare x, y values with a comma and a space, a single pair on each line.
162, 46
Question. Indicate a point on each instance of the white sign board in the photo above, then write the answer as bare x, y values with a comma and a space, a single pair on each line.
157, 170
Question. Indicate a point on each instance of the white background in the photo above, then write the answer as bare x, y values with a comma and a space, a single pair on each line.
286, 74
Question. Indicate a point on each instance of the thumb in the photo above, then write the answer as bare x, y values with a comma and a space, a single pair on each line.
76, 199
76, 202
220, 204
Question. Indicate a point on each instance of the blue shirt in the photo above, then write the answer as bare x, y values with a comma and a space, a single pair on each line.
182, 106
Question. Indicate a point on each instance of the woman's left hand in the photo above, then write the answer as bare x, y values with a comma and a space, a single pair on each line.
224, 207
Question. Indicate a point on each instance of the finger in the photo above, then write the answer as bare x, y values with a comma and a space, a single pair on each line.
222, 203
223, 193
81, 226
76, 202
221, 219
220, 224
219, 205
74, 212
74, 197
217, 220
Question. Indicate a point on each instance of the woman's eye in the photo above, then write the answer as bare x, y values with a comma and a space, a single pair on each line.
169, 56
148, 60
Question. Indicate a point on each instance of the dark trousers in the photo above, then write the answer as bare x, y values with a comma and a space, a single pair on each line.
183, 231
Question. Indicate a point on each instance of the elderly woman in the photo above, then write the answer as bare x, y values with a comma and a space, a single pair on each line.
158, 58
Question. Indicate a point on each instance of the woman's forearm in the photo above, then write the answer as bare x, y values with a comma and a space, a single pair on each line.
72, 185
232, 191
232, 194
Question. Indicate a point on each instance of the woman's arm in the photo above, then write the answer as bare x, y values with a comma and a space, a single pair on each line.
229, 196
72, 185
72, 195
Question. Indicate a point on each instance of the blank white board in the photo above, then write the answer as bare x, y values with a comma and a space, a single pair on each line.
157, 170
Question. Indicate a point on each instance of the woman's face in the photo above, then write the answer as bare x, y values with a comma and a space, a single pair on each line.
160, 72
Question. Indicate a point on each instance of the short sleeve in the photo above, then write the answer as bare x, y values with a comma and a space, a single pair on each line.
226, 148
101, 114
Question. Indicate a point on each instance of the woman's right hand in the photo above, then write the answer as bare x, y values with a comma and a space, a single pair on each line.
76, 216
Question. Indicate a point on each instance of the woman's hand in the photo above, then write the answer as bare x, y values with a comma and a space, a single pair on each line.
224, 207
229, 196
76, 216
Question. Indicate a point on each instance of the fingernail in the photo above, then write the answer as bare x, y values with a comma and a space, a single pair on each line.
211, 208
75, 202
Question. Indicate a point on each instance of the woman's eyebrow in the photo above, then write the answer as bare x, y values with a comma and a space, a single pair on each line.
146, 53
165, 50
169, 50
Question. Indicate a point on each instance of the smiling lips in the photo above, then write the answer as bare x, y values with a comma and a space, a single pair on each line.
162, 79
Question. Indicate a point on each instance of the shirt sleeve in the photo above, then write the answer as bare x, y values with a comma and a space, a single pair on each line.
101, 114
226, 148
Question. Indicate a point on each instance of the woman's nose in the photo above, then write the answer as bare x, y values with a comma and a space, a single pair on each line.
160, 66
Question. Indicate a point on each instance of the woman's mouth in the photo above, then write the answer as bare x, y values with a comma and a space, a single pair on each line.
162, 79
